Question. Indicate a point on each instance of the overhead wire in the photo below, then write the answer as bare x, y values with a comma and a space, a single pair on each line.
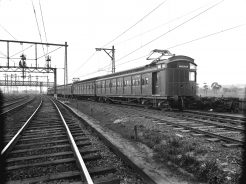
190, 41
86, 61
158, 6
3, 54
37, 25
163, 24
206, 36
180, 44
7, 31
43, 24
174, 28
193, 17
21, 51
90, 57
50, 52
10, 35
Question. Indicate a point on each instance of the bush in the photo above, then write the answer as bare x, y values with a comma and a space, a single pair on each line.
173, 149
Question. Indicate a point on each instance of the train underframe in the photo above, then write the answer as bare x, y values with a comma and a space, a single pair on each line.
170, 102
165, 103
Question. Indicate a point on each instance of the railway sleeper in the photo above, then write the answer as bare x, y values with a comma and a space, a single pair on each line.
30, 165
81, 144
38, 139
43, 133
48, 143
82, 152
64, 176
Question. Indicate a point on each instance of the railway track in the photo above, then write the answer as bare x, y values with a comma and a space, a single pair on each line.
227, 118
14, 121
13, 106
228, 129
214, 129
13, 101
48, 148
9, 99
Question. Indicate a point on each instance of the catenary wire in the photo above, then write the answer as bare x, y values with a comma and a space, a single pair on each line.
193, 17
43, 24
37, 25
22, 50
7, 31
177, 45
174, 28
86, 61
206, 36
161, 25
190, 41
50, 52
136, 23
122, 33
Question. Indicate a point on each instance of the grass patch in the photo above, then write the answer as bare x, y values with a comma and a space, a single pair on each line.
189, 156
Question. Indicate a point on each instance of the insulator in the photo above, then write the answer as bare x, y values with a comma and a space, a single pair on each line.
48, 58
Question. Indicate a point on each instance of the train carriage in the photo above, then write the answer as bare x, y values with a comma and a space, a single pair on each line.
62, 90
157, 84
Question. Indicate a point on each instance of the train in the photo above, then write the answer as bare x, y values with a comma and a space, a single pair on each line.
164, 83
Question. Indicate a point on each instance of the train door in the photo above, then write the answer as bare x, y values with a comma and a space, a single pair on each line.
155, 83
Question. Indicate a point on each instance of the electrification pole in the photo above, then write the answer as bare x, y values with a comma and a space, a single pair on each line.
111, 54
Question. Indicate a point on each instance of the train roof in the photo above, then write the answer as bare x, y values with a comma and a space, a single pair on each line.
174, 58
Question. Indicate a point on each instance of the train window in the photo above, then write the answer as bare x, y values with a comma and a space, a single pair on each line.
192, 76
163, 65
138, 83
158, 66
142, 81
146, 80
192, 66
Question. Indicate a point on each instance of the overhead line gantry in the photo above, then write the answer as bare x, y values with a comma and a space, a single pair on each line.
22, 67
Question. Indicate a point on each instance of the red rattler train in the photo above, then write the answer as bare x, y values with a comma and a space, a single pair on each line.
162, 83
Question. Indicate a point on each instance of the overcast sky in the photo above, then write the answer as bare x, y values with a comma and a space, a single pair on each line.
87, 24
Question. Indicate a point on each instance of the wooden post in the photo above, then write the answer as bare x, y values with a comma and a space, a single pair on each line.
55, 78
136, 132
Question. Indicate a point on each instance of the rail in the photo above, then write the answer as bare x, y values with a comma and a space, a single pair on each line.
17, 135
80, 160
14, 101
203, 132
7, 111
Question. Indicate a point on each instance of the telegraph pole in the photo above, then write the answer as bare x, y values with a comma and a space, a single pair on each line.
111, 54
65, 67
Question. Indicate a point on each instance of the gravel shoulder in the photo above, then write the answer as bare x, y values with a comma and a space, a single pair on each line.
117, 124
